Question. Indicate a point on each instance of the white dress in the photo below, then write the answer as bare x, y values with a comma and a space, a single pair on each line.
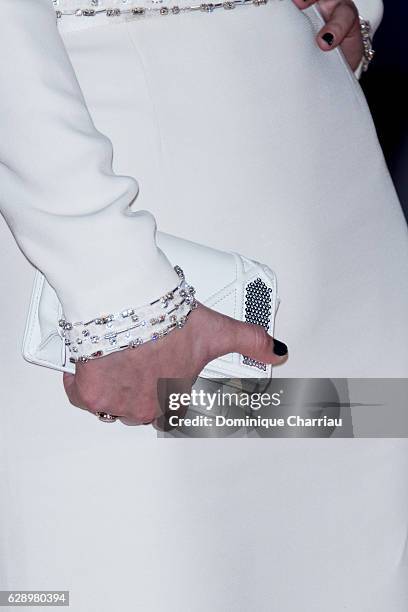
243, 135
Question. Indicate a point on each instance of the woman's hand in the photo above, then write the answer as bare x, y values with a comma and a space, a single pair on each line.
342, 28
125, 382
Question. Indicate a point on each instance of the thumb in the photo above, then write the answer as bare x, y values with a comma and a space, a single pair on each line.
252, 341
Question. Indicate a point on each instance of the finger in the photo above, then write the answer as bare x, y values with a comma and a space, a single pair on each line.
78, 399
71, 389
137, 420
132, 423
144, 409
253, 341
342, 23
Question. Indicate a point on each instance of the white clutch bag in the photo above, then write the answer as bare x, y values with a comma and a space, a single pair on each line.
224, 281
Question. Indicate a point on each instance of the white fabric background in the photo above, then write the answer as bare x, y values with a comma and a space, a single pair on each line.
241, 135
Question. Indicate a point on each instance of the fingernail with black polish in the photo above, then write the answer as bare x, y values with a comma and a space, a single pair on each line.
329, 38
279, 348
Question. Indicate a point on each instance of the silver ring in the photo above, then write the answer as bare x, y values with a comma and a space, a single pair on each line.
106, 417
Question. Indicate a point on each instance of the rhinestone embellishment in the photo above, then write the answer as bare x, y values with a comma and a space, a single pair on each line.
130, 327
366, 33
138, 11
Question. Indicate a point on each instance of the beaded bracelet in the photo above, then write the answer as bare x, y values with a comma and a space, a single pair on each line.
131, 327
141, 10
368, 51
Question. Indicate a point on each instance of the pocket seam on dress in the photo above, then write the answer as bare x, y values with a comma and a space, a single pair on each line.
148, 90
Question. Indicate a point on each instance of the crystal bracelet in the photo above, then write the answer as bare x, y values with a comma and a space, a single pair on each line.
131, 327
140, 10
368, 51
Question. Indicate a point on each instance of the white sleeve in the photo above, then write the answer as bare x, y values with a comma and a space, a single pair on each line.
372, 10
66, 208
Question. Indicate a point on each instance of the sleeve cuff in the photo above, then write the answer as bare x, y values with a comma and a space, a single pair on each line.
359, 70
118, 265
372, 10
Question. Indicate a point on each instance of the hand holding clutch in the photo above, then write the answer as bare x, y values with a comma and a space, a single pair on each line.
112, 362
125, 383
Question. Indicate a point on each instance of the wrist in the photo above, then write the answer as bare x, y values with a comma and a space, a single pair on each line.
368, 51
131, 326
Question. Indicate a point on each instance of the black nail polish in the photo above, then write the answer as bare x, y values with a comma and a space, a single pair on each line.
279, 348
329, 38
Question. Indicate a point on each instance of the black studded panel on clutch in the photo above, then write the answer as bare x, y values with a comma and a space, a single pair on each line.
258, 310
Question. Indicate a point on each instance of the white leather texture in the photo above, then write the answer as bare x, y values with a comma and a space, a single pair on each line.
223, 279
